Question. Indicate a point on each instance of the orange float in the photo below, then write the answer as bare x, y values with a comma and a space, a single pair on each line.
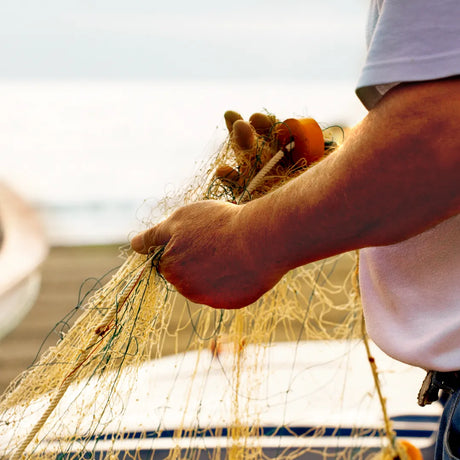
413, 453
307, 136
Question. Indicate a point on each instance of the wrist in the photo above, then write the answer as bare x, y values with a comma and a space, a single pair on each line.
263, 237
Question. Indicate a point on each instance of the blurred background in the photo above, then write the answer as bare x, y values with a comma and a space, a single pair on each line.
107, 103
106, 106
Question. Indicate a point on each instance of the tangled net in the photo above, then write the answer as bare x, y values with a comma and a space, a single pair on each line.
143, 373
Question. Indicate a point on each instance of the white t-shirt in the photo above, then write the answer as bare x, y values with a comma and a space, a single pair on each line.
411, 290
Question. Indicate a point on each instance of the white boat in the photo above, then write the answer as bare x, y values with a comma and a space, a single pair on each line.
307, 400
23, 248
314, 399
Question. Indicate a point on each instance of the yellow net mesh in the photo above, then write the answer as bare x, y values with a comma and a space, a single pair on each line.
144, 373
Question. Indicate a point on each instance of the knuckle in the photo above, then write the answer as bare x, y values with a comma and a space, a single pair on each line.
155, 237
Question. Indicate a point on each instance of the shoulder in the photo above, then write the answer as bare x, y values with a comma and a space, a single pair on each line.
408, 42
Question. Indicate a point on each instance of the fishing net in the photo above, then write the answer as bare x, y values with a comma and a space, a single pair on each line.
145, 374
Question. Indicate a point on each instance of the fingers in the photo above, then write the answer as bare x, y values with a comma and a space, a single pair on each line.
230, 117
243, 135
146, 241
261, 123
227, 172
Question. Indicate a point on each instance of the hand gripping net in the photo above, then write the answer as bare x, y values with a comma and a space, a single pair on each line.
143, 373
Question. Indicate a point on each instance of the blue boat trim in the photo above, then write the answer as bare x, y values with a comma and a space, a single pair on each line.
269, 431
416, 418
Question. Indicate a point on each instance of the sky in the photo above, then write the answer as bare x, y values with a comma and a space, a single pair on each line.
181, 39
91, 89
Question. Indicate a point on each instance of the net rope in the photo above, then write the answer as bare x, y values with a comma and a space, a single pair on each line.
80, 396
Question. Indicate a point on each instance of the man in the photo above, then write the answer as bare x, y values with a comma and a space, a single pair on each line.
392, 190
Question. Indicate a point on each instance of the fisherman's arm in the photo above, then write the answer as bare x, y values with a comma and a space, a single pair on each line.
395, 176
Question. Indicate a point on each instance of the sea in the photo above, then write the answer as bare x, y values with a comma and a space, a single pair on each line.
95, 157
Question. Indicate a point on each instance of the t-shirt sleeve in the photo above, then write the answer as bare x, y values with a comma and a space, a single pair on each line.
409, 40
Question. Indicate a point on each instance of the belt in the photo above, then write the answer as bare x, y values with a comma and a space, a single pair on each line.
435, 382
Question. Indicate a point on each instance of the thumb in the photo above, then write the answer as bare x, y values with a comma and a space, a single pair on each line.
149, 239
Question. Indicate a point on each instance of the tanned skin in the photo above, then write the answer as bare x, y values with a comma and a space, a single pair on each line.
396, 175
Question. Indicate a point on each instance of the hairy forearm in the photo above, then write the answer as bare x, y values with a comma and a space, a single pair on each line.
395, 176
